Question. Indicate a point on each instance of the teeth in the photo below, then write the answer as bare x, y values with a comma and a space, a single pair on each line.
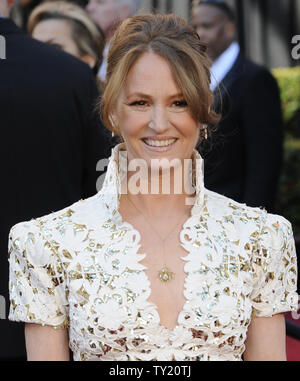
159, 143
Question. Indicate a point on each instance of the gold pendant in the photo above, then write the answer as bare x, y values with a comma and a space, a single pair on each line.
165, 274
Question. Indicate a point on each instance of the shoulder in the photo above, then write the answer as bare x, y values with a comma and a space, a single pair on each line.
221, 205
252, 71
250, 67
35, 56
62, 62
84, 213
267, 224
277, 234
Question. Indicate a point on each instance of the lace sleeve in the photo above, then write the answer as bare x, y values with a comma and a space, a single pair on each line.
36, 278
275, 269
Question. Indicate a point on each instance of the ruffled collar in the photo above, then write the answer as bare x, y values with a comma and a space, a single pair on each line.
116, 171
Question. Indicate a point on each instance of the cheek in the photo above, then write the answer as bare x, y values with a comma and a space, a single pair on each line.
214, 35
132, 123
191, 131
185, 125
219, 35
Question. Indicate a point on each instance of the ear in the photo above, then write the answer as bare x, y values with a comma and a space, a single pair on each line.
89, 59
230, 30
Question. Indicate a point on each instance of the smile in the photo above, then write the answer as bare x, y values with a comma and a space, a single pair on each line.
159, 143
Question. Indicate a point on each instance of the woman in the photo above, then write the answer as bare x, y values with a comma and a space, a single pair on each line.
140, 273
68, 27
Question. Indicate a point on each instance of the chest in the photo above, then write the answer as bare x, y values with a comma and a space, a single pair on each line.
114, 292
115, 268
165, 259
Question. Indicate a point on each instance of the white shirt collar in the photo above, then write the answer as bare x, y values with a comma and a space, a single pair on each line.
116, 171
223, 64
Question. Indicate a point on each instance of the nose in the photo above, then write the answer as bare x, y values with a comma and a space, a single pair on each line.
159, 120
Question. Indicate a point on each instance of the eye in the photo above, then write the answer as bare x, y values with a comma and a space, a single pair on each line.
208, 26
138, 103
180, 103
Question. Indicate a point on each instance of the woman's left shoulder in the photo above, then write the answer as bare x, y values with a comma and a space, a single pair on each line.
241, 214
221, 205
277, 231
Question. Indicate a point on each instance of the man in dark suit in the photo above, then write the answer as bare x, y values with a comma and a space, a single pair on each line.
51, 141
244, 160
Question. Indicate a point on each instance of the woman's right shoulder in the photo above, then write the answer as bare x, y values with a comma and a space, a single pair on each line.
81, 212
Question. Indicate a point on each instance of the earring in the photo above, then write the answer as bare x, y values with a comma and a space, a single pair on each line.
205, 131
112, 120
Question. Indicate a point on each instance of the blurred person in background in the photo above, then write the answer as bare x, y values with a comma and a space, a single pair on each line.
5, 7
246, 163
51, 142
68, 27
22, 9
108, 15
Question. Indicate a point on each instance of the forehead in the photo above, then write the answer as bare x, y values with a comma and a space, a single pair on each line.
53, 27
105, 1
207, 13
150, 72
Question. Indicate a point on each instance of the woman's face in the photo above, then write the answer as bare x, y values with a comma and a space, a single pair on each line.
58, 33
151, 110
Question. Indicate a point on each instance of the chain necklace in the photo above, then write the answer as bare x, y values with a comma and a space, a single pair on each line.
165, 274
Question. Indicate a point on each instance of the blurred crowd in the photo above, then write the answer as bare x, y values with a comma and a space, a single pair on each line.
54, 137
79, 27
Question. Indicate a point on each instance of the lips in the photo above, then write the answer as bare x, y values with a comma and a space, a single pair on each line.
160, 144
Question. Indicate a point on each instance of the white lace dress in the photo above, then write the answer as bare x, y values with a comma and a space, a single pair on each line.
79, 268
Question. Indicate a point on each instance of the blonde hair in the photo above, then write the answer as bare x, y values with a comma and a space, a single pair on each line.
87, 36
174, 40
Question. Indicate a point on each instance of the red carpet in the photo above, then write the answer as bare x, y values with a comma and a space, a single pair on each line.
292, 345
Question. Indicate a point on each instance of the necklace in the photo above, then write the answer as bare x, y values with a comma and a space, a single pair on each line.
165, 274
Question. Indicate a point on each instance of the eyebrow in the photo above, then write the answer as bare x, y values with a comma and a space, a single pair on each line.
143, 95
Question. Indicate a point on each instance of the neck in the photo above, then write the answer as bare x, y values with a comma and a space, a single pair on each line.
167, 191
224, 50
156, 206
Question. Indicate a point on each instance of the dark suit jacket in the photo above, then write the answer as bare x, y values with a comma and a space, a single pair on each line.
243, 161
50, 143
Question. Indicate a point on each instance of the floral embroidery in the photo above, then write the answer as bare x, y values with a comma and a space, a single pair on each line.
80, 268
